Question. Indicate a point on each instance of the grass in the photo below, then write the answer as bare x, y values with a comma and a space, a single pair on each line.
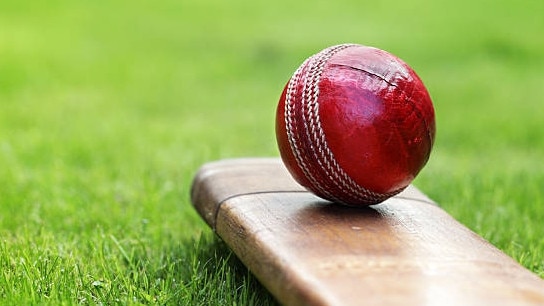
107, 109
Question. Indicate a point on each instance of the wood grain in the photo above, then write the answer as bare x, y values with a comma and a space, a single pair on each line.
306, 251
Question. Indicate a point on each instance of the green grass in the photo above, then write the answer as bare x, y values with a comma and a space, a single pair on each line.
107, 109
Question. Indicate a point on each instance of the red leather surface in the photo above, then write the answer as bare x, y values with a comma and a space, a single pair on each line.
377, 120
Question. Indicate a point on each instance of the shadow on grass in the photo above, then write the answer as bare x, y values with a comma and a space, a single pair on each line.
197, 271
213, 274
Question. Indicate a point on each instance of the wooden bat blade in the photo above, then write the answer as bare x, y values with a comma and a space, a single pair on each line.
306, 251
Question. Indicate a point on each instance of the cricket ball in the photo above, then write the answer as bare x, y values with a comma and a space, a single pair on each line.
355, 125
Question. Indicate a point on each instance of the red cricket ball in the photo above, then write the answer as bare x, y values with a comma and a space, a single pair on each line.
355, 124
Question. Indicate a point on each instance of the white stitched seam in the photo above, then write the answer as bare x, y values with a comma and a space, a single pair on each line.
306, 99
323, 154
310, 95
292, 136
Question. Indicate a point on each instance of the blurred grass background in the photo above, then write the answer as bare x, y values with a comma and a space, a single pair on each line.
107, 109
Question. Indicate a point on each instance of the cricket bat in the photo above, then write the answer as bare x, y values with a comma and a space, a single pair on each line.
307, 251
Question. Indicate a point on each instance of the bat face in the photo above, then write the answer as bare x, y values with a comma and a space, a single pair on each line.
307, 251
